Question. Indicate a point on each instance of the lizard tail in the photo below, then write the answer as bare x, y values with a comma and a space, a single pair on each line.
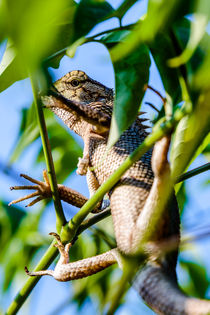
160, 291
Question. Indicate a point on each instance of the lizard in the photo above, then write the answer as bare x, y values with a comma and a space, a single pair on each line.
85, 106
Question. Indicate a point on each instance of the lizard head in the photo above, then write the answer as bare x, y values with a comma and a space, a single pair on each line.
78, 86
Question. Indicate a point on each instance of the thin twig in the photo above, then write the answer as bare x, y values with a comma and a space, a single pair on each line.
195, 171
147, 86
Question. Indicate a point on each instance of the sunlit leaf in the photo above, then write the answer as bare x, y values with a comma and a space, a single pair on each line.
44, 28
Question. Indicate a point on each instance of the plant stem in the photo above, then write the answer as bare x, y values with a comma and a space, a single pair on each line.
195, 171
60, 218
89, 39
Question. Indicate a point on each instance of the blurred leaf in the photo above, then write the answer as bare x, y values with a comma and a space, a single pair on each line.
160, 16
131, 75
189, 135
182, 198
65, 160
206, 151
3, 21
39, 19
201, 77
10, 219
162, 49
198, 28
198, 279
181, 30
124, 7
44, 28
10, 68
19, 238
88, 14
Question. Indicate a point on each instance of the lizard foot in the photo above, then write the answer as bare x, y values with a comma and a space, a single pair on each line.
82, 166
64, 259
43, 189
64, 250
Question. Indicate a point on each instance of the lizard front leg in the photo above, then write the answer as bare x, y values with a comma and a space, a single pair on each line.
83, 164
65, 271
43, 191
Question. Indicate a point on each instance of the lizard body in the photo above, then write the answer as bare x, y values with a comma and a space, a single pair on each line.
156, 282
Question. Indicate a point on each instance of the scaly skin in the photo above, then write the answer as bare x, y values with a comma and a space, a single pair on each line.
85, 106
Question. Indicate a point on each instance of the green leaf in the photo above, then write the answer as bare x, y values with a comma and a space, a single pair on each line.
124, 7
189, 136
88, 14
182, 198
160, 16
3, 20
131, 75
10, 68
198, 28
199, 283
182, 32
162, 49
35, 33
44, 30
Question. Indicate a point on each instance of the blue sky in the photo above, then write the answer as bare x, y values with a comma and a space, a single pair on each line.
94, 59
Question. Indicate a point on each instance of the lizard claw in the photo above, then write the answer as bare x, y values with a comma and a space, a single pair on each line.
43, 190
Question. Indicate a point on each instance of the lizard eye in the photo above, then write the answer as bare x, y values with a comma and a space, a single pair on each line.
75, 82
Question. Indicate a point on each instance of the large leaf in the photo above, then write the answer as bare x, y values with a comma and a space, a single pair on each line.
44, 28
88, 14
131, 75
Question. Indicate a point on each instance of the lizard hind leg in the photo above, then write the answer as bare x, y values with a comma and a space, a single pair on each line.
64, 259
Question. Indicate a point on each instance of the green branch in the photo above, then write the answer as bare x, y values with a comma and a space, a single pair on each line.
60, 218
195, 171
